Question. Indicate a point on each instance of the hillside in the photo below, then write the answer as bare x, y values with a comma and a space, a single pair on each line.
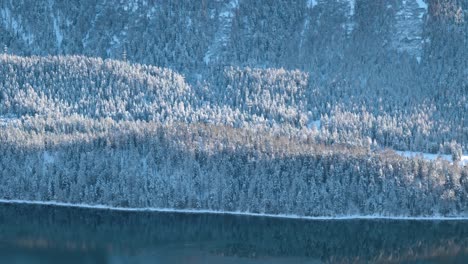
240, 97
368, 43
84, 130
304, 107
392, 72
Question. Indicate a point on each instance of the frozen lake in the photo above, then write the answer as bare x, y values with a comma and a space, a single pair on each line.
48, 234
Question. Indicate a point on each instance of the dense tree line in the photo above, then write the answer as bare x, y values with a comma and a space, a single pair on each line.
219, 168
258, 106
369, 43
238, 97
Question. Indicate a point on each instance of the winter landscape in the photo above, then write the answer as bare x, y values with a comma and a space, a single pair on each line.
124, 123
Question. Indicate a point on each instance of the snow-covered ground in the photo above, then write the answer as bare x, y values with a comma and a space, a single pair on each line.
429, 156
317, 124
314, 124
192, 211
350, 24
48, 157
311, 3
422, 4
352, 7
58, 33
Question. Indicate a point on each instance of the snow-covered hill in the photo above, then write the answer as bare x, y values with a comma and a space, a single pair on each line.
264, 107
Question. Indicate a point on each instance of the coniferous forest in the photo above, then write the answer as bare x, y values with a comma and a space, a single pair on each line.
307, 108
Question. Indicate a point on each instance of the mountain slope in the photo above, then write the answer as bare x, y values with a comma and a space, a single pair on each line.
83, 130
276, 107
325, 36
409, 119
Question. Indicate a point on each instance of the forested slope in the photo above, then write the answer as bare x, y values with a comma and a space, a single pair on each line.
84, 130
363, 44
382, 73
280, 107
240, 97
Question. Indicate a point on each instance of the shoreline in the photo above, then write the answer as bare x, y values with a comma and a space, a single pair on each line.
233, 213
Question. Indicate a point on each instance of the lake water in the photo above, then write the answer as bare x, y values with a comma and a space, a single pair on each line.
47, 234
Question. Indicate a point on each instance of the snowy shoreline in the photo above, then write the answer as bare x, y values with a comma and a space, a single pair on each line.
233, 213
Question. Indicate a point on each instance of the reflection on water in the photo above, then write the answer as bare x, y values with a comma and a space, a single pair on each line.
44, 234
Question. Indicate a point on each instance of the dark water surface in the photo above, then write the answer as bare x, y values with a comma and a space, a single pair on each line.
47, 234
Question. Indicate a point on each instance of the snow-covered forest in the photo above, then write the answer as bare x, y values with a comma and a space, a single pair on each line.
95, 131
239, 97
310, 108
138, 164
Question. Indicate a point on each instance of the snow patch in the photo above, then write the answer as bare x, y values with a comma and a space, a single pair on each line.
352, 6
48, 158
131, 6
350, 25
115, 40
192, 211
311, 3
305, 27
58, 33
150, 11
314, 124
432, 157
422, 4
